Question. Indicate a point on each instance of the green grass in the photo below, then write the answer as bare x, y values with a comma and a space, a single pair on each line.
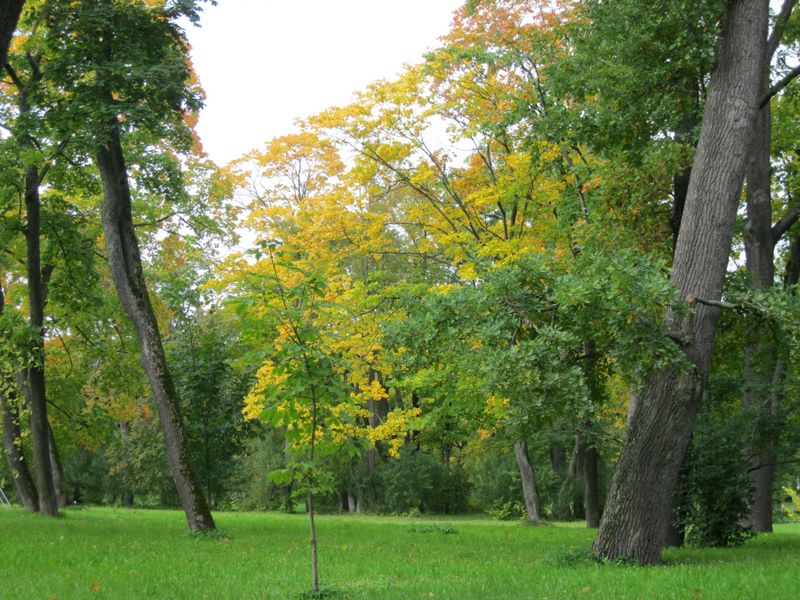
118, 554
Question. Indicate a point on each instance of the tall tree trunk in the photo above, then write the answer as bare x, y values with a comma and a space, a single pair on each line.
591, 498
34, 375
529, 491
12, 437
23, 482
10, 11
759, 358
125, 262
655, 444
765, 456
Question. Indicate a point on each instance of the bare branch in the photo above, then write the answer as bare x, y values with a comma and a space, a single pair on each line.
780, 26
786, 80
784, 223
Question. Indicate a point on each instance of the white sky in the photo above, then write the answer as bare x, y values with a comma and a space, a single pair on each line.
265, 63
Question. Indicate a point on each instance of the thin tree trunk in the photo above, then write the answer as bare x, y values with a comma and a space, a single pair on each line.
529, 491
23, 482
633, 524
765, 456
34, 374
759, 357
314, 557
680, 182
125, 262
59, 482
576, 468
12, 437
675, 532
591, 499
127, 471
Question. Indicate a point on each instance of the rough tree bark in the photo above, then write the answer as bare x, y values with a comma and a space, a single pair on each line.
529, 491
125, 262
633, 524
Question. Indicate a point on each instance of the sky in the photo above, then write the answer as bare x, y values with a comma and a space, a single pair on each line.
265, 63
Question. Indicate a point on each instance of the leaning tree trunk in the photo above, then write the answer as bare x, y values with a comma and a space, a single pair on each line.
16, 461
633, 523
125, 262
12, 436
529, 491
34, 375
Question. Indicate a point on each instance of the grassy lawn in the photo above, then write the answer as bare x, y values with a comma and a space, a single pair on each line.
109, 553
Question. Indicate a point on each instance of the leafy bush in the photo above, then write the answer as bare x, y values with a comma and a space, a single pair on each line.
715, 486
792, 509
417, 480
511, 510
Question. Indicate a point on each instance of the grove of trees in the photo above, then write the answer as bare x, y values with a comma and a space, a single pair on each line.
549, 272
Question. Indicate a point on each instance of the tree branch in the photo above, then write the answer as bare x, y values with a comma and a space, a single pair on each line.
780, 26
788, 219
786, 80
773, 464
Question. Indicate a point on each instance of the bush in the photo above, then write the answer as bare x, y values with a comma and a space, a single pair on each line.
417, 481
714, 488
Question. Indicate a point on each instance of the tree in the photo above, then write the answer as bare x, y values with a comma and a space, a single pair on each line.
637, 511
142, 56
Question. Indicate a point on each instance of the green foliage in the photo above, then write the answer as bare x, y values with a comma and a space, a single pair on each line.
714, 488
511, 510
792, 509
418, 481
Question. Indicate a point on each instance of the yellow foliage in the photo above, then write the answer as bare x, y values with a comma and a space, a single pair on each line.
393, 429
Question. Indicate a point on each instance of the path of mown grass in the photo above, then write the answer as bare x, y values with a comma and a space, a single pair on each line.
117, 554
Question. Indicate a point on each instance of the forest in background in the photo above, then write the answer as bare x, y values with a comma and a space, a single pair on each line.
472, 289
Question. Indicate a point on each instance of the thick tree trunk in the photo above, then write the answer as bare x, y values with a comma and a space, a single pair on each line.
591, 498
124, 259
10, 11
529, 491
34, 375
23, 482
633, 524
